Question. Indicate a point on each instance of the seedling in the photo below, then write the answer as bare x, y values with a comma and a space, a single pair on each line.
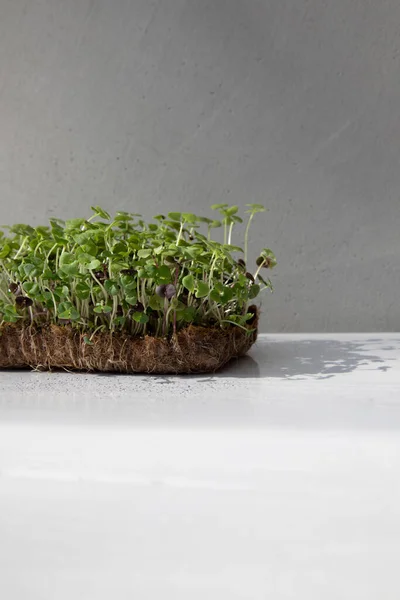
124, 275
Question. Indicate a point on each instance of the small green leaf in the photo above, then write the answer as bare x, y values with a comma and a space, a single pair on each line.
22, 229
82, 291
215, 295
57, 226
140, 317
219, 206
74, 224
64, 315
61, 292
71, 269
267, 283
67, 311
125, 215
128, 282
5, 251
102, 308
189, 314
30, 288
150, 270
144, 253
227, 295
67, 258
63, 307
170, 260
94, 264
131, 299
175, 304
120, 249
46, 298
202, 289
231, 248
173, 225
215, 224
254, 291
84, 259
100, 212
203, 259
47, 274
10, 314
267, 252
232, 210
267, 259
163, 274
247, 317
90, 248
41, 231
175, 216
156, 302
74, 314
192, 252
29, 270
189, 218
255, 208
188, 282
111, 287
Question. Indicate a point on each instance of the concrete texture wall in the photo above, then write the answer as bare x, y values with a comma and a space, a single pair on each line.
153, 105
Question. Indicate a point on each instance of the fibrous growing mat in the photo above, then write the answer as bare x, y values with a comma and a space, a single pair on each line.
192, 350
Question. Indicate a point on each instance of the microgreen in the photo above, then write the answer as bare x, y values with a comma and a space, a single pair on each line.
123, 274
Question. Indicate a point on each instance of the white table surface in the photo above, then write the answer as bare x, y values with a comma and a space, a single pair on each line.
277, 479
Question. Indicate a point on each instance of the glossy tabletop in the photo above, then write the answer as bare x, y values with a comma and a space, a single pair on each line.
276, 478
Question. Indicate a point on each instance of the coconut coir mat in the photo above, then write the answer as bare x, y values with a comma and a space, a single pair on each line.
192, 350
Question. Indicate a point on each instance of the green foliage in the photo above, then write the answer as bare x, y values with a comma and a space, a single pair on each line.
122, 274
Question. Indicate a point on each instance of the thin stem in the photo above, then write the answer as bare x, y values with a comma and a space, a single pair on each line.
246, 237
5, 296
46, 262
230, 233
165, 317
55, 303
95, 331
114, 310
237, 324
143, 297
101, 286
21, 247
180, 234
258, 270
6, 271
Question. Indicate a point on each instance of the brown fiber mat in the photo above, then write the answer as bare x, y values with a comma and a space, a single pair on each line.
192, 350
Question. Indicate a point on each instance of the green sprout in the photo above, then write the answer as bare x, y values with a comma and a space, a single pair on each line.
122, 274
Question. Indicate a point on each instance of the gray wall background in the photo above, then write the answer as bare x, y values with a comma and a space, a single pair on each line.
175, 104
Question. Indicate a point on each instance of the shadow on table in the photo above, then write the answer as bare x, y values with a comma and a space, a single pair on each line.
304, 359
